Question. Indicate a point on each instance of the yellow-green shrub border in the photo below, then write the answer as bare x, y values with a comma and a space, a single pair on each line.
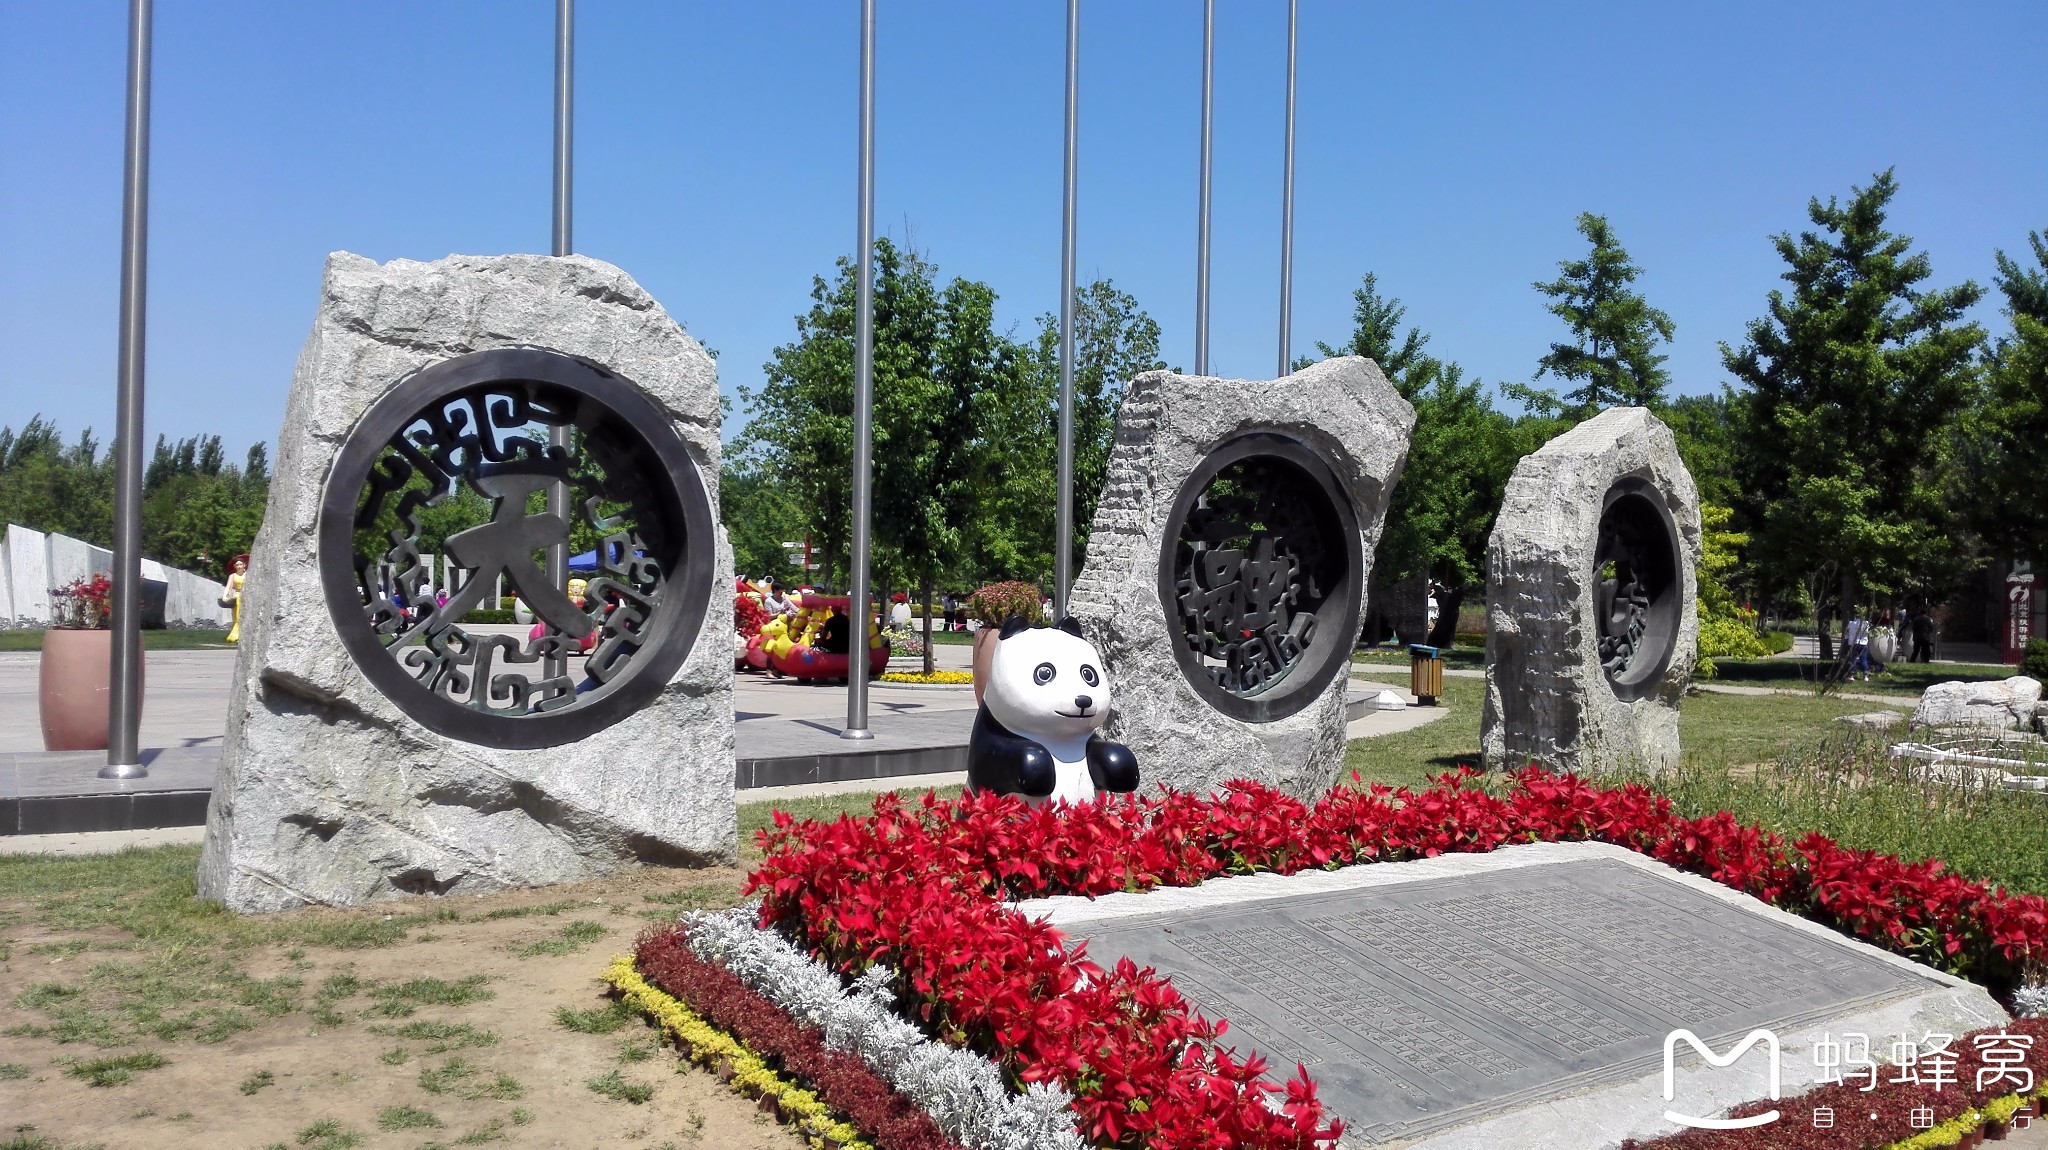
1953, 1131
708, 1046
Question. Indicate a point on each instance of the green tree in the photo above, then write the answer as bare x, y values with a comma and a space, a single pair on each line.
1114, 341
800, 421
2003, 447
1615, 332
942, 375
1459, 456
198, 510
1853, 380
46, 486
929, 494
1705, 428
759, 517
1376, 335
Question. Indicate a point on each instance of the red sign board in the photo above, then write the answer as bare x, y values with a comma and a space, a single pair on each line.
2019, 615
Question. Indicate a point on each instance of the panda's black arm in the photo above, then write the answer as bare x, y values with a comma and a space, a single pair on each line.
1006, 763
1112, 766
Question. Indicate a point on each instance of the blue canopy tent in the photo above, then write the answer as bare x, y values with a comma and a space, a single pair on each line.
584, 562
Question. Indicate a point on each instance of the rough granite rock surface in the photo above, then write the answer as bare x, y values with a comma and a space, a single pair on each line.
2003, 706
1348, 412
327, 792
1547, 699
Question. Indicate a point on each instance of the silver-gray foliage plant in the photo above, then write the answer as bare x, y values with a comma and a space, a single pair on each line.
2031, 1001
962, 1091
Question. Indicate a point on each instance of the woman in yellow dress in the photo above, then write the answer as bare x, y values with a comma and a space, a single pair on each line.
232, 597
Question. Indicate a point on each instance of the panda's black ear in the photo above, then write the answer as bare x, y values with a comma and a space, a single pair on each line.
1071, 626
1012, 625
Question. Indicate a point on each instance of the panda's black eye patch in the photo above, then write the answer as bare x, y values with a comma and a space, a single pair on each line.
1044, 674
1089, 676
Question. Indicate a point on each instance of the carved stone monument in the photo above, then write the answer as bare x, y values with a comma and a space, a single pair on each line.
495, 409
1228, 563
1592, 621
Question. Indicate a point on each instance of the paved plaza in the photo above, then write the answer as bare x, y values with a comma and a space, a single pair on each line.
185, 701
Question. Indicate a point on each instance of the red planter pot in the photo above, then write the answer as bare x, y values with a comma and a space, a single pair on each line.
72, 689
984, 658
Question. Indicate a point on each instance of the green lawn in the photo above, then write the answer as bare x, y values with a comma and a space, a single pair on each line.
1905, 680
1780, 761
180, 639
1469, 658
1717, 731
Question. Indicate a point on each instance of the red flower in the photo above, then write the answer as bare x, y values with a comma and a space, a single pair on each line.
924, 887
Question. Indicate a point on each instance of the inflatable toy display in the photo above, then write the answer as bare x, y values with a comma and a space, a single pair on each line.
813, 643
577, 588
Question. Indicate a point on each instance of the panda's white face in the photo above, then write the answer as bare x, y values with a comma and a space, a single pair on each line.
1048, 685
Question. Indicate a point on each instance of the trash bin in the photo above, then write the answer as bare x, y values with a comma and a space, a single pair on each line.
1425, 674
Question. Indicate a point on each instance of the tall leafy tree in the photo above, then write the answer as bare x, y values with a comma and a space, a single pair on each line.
198, 510
760, 516
2004, 445
1612, 357
46, 485
1853, 379
1114, 341
938, 448
1705, 428
943, 374
800, 421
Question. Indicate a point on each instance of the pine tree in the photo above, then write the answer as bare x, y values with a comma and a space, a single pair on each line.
1853, 382
2004, 443
1459, 457
1615, 331
1376, 335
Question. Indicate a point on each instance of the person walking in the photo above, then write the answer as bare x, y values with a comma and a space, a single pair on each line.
1856, 645
775, 602
1923, 637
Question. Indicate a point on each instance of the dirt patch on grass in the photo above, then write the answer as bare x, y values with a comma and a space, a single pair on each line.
434, 1022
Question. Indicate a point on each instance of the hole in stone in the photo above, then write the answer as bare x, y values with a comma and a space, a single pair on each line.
319, 828
422, 880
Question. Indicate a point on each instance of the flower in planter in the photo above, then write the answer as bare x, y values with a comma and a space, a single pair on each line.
996, 602
83, 603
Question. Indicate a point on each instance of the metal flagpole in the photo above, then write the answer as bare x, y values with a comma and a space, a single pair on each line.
124, 701
563, 244
565, 96
1063, 520
863, 396
1287, 211
1202, 232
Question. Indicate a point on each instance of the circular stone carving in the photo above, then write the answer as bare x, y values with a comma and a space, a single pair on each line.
462, 450
1258, 574
1636, 588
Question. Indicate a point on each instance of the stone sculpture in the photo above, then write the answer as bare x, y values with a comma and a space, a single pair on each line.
1227, 567
1592, 621
378, 743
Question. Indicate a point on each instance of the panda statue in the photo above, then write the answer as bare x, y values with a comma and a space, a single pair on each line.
1035, 735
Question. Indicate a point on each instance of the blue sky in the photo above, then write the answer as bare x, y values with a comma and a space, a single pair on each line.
1448, 147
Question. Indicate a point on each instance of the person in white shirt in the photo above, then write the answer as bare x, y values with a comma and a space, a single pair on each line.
1856, 646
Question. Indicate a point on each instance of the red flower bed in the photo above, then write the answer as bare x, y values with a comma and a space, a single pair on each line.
1849, 1107
922, 888
841, 1080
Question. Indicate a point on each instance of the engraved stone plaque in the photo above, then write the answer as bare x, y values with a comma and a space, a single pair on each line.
1423, 1005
